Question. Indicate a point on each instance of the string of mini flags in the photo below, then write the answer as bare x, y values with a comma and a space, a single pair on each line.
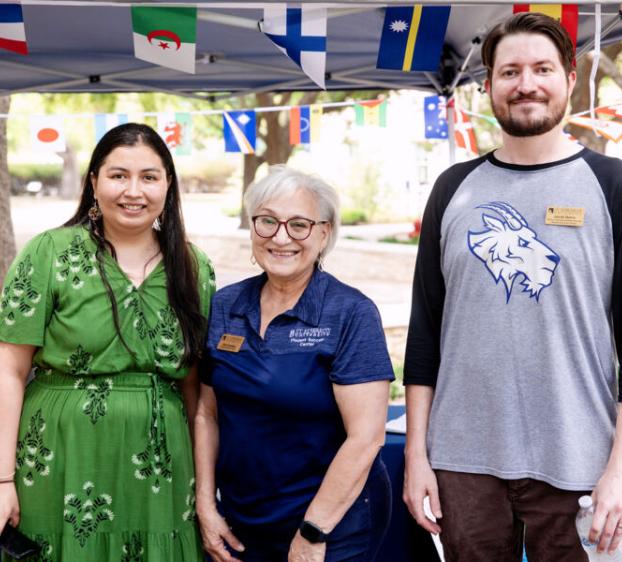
412, 36
239, 128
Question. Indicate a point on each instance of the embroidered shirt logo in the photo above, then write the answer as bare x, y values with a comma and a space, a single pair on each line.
308, 337
511, 250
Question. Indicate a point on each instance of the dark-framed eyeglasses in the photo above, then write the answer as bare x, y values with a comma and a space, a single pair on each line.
297, 228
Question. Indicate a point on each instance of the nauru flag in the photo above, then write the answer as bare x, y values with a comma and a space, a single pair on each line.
12, 32
412, 37
165, 36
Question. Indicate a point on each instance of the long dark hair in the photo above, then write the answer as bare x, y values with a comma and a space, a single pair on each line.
180, 263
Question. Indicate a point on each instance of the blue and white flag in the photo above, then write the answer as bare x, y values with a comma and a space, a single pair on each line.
300, 33
435, 117
106, 121
412, 37
239, 128
12, 32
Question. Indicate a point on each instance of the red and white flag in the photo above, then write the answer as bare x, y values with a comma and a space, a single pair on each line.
47, 133
464, 132
610, 129
612, 110
12, 32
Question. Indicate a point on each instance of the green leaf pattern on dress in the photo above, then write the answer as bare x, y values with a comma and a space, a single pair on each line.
76, 263
79, 362
154, 462
46, 550
85, 512
191, 500
132, 302
97, 392
19, 295
31, 454
169, 345
133, 550
166, 336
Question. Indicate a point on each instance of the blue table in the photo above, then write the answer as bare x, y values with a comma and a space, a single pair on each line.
405, 541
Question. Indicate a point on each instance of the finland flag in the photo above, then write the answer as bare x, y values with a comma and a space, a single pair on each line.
300, 33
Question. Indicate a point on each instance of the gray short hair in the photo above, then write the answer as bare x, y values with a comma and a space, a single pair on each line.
282, 180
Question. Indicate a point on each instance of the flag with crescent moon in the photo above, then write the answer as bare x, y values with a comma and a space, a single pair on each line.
165, 36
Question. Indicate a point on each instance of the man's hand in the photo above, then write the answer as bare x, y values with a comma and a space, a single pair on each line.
216, 534
301, 550
419, 482
607, 522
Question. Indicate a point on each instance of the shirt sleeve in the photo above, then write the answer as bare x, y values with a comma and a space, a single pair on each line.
27, 299
207, 288
362, 355
207, 281
609, 174
423, 343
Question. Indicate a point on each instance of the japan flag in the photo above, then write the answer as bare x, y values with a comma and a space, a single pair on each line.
47, 133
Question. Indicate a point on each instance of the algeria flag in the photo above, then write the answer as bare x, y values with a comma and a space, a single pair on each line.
165, 36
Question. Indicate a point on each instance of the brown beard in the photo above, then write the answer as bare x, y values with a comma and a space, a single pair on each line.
527, 127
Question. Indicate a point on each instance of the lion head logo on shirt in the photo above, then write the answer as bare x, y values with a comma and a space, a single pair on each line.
512, 251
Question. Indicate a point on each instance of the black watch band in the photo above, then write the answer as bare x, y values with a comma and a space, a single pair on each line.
311, 532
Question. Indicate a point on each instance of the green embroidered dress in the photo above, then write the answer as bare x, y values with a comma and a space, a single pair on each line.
104, 462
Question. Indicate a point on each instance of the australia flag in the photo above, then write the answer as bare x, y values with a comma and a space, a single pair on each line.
435, 116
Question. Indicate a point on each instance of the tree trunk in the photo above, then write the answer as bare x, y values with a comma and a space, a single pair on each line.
251, 163
273, 129
7, 238
580, 100
70, 182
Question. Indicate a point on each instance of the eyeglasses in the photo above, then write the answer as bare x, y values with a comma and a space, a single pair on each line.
297, 228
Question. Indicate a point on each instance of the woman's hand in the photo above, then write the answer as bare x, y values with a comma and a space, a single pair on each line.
216, 535
9, 505
301, 550
419, 482
607, 520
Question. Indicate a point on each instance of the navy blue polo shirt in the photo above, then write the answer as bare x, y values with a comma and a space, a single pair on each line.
280, 426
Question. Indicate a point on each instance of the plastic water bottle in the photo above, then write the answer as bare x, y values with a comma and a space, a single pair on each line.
584, 523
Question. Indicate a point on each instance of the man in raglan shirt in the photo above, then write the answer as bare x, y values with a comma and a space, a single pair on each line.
512, 392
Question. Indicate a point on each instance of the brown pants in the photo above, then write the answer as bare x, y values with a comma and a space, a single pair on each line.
487, 519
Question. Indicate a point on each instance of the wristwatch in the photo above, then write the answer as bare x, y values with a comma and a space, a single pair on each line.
312, 532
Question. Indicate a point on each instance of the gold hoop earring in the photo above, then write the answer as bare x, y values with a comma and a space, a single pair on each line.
95, 213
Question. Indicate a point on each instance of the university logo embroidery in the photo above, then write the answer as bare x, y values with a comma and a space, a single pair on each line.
511, 250
308, 337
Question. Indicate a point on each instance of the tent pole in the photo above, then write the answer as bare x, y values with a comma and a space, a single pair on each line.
451, 131
465, 64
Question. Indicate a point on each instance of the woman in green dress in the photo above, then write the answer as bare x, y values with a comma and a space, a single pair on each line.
110, 309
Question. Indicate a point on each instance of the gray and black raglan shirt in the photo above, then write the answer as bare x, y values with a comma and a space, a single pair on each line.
516, 318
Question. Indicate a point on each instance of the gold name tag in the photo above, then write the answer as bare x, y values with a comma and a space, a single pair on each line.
229, 342
565, 216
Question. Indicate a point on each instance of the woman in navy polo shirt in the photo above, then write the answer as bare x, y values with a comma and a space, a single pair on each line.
293, 406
